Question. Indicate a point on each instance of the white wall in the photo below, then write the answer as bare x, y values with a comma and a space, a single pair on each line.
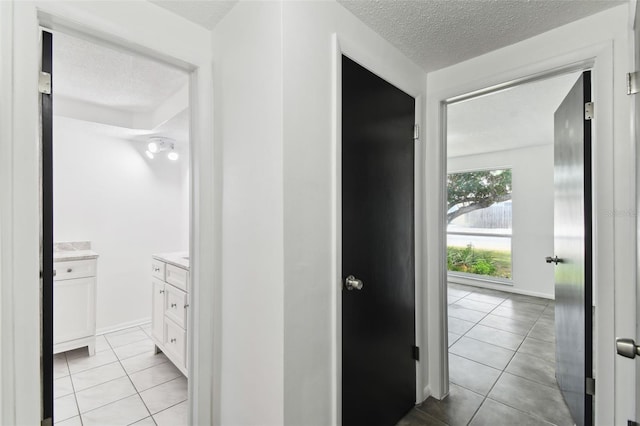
248, 86
312, 381
275, 112
108, 192
603, 39
532, 198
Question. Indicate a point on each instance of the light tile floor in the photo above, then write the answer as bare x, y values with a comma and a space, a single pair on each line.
124, 383
501, 363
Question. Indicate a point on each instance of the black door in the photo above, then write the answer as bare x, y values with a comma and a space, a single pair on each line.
46, 260
572, 246
378, 320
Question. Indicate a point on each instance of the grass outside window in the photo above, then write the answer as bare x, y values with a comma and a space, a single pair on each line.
472, 260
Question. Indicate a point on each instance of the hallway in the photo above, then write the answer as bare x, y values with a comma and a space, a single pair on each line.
501, 363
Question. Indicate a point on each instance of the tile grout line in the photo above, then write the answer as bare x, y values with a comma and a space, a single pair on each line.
108, 381
522, 411
127, 374
492, 344
131, 381
484, 397
503, 370
75, 397
165, 409
117, 378
469, 337
502, 316
107, 363
532, 320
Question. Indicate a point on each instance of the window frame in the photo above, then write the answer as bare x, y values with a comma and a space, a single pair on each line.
478, 277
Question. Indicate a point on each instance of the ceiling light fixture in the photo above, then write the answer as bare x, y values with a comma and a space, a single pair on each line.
158, 144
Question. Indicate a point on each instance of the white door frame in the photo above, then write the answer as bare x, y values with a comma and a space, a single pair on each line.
634, 15
570, 68
139, 27
377, 65
600, 55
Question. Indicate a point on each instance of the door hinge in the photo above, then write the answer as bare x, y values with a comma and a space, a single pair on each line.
44, 83
416, 132
588, 111
632, 83
590, 386
416, 353
47, 422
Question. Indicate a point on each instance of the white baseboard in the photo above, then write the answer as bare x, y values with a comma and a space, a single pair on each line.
426, 393
122, 326
500, 287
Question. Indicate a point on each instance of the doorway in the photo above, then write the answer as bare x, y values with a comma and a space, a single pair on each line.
120, 188
501, 307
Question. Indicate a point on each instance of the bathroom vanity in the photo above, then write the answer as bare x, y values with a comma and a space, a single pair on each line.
74, 296
170, 306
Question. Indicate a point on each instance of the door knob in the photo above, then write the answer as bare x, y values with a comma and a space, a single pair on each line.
553, 259
352, 283
627, 348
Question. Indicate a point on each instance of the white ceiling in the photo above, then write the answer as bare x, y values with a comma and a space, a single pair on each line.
439, 33
435, 33
176, 129
110, 77
206, 13
513, 118
134, 95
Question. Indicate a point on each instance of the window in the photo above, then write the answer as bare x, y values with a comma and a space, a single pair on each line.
479, 223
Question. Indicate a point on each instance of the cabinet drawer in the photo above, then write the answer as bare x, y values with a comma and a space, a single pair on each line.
157, 268
175, 305
175, 341
74, 269
177, 276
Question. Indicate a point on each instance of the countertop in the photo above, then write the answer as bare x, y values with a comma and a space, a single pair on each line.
64, 252
178, 258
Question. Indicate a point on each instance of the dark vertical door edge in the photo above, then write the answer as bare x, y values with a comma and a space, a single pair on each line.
588, 251
47, 233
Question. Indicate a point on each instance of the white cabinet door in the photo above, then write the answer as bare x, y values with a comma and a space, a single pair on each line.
157, 310
175, 342
74, 305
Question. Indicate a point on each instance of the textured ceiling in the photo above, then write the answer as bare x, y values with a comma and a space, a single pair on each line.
86, 74
206, 13
434, 33
439, 33
108, 77
513, 118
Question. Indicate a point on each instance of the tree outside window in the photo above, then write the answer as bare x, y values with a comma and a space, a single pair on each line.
479, 223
